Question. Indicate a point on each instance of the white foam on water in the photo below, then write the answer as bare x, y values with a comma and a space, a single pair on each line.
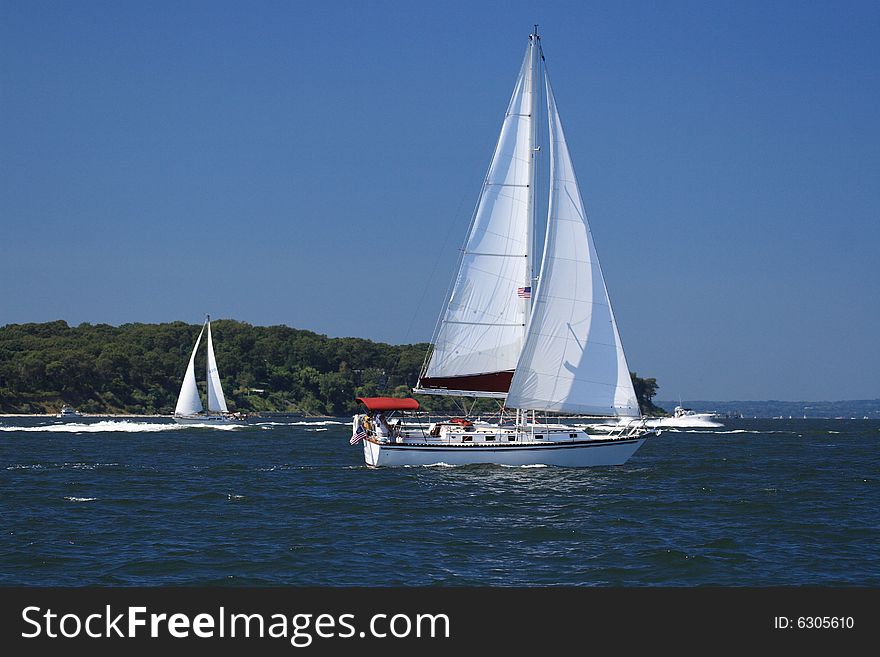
303, 423
442, 464
80, 499
322, 422
74, 466
99, 427
129, 426
711, 432
221, 427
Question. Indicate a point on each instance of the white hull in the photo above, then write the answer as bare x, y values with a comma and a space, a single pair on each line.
572, 454
68, 412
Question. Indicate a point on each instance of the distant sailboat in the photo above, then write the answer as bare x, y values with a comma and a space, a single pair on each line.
546, 342
189, 408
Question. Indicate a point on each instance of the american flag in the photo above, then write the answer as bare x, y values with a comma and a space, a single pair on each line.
524, 292
358, 434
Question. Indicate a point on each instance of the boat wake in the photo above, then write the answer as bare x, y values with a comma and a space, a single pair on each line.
442, 464
714, 433
303, 423
318, 425
114, 426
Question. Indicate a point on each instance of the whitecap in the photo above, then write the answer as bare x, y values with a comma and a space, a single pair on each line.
97, 427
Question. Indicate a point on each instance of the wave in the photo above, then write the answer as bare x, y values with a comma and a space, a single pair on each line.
443, 464
303, 423
74, 466
206, 425
317, 423
96, 427
126, 426
80, 499
712, 433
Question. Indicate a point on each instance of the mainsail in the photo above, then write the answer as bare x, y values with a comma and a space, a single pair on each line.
573, 359
216, 400
188, 402
482, 330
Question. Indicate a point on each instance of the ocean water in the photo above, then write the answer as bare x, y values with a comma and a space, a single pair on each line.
144, 502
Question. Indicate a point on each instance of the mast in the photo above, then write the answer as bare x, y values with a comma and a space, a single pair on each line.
216, 399
533, 154
208, 366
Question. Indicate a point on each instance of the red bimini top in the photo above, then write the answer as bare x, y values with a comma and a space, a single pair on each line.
389, 404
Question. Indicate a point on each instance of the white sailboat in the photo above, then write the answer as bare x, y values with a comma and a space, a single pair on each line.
557, 350
189, 409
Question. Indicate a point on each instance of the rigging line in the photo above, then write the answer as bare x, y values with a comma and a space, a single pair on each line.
452, 321
450, 289
425, 289
497, 255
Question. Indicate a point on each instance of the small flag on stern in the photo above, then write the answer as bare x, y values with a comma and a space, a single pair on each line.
358, 434
524, 292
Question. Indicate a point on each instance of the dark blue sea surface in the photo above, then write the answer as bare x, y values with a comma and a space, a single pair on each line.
141, 501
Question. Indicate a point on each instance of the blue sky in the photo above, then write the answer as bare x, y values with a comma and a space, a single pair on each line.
316, 165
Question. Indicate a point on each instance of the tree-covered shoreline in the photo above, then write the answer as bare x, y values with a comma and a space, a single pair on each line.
137, 369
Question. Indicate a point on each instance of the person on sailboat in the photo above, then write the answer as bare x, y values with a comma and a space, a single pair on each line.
382, 430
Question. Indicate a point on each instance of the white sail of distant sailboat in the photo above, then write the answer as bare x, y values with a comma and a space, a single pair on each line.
216, 400
188, 402
189, 407
543, 341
